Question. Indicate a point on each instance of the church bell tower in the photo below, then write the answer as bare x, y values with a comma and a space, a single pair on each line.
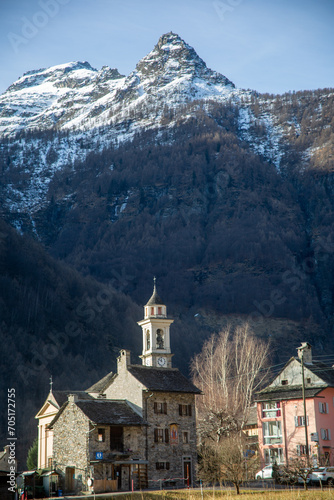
156, 335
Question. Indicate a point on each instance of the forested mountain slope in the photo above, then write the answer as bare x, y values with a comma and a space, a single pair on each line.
224, 194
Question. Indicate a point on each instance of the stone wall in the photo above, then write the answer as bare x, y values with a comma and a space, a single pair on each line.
76, 442
175, 451
70, 445
133, 442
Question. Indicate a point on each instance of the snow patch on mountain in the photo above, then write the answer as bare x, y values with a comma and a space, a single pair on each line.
85, 109
264, 137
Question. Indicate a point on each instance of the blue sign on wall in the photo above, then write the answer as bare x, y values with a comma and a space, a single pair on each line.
98, 455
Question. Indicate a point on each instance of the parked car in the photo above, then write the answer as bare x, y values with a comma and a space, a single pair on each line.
314, 478
325, 475
305, 473
265, 473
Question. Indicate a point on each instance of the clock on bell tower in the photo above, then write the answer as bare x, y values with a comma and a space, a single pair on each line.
156, 335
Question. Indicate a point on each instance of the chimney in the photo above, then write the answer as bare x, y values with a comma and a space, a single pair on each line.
72, 398
123, 360
305, 351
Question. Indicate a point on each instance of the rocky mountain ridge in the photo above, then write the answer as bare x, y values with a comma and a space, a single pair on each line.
77, 97
174, 144
79, 110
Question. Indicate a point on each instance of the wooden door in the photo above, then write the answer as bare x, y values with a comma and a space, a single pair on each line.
69, 479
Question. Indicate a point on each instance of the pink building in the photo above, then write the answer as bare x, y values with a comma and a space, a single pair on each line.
280, 410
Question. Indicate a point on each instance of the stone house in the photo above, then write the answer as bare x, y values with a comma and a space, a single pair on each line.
46, 414
284, 433
136, 427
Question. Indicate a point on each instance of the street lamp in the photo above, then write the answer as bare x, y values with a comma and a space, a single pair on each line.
301, 350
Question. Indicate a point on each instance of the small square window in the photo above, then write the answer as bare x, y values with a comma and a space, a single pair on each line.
162, 465
285, 382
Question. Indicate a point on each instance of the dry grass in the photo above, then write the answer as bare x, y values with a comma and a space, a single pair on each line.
296, 494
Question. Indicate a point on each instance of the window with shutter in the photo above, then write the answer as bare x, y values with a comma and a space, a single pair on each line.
300, 420
325, 434
160, 408
185, 410
323, 407
271, 409
161, 435
301, 449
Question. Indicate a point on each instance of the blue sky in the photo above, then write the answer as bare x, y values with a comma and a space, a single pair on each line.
267, 45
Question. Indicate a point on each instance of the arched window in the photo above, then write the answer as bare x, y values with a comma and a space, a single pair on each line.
160, 339
148, 340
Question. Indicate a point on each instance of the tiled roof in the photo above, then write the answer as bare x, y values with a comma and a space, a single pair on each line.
110, 412
62, 409
102, 384
280, 392
252, 416
326, 373
287, 392
105, 411
162, 379
154, 299
62, 396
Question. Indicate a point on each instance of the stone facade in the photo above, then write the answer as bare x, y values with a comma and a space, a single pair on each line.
161, 410
167, 458
70, 447
86, 449
133, 428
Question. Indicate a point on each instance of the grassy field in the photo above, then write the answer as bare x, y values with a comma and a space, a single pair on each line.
296, 494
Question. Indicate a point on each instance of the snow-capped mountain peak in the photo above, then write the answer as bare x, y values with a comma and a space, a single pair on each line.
101, 107
76, 96
172, 59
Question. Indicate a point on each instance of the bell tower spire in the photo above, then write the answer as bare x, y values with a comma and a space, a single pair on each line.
156, 335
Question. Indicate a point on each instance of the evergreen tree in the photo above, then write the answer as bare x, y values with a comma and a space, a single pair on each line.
32, 456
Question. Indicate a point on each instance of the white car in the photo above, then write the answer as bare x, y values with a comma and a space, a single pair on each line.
324, 474
265, 473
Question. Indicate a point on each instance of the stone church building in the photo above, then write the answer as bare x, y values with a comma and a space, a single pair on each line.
134, 428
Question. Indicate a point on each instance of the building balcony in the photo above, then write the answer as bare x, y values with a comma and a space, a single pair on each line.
272, 440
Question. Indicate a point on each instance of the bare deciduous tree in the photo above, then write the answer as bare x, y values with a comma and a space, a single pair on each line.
228, 370
298, 469
227, 461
